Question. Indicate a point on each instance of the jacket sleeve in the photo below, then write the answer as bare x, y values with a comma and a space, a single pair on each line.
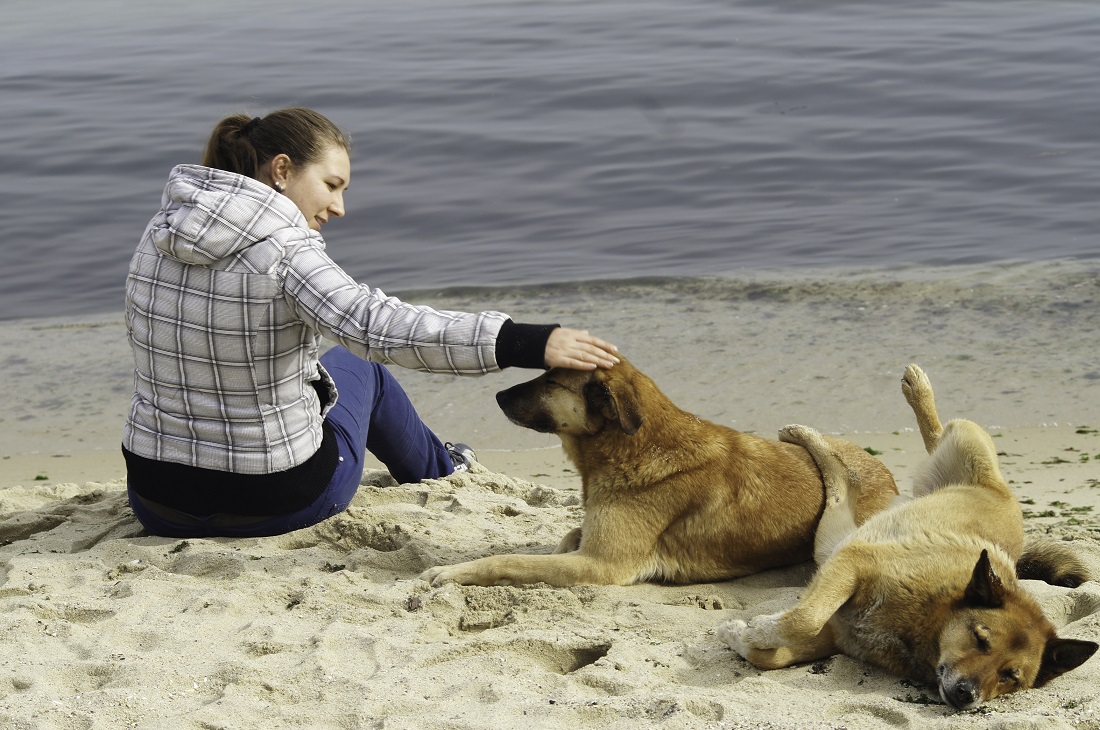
523, 345
383, 328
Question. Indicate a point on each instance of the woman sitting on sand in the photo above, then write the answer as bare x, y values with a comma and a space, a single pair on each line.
236, 427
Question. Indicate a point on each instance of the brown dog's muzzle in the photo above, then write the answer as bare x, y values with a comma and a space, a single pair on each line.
520, 404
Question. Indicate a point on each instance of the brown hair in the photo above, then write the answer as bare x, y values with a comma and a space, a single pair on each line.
243, 144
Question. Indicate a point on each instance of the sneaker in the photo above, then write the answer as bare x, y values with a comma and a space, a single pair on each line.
462, 456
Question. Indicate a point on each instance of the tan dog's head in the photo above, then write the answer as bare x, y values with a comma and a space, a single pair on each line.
998, 641
576, 402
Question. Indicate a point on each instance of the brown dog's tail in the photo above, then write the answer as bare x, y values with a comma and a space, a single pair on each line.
1052, 562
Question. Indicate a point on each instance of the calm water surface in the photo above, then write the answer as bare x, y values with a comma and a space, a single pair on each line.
513, 142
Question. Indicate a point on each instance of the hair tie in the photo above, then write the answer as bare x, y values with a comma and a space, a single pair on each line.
248, 127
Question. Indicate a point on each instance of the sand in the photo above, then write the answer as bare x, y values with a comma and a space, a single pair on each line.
104, 626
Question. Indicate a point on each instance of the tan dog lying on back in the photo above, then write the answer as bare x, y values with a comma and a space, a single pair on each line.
667, 496
926, 589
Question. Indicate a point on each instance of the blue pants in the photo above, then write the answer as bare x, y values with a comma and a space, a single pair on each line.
372, 413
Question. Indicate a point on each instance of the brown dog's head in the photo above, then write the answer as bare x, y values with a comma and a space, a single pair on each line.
998, 641
576, 402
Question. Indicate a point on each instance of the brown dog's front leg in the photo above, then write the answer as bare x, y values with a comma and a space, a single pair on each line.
567, 569
570, 542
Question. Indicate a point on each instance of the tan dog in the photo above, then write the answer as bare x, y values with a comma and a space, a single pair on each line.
667, 496
926, 589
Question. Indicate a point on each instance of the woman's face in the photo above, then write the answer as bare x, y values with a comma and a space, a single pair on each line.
318, 189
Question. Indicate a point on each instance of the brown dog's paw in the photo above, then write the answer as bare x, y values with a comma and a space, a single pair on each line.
482, 572
434, 575
441, 574
570, 543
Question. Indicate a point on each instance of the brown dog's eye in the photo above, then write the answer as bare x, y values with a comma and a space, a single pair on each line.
1010, 676
980, 640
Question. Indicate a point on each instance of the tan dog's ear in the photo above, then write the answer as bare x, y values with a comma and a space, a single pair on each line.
1062, 655
617, 401
986, 589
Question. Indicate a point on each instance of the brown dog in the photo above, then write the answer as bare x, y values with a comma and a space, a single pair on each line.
925, 589
667, 496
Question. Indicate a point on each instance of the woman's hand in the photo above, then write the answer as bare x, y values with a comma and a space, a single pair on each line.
578, 350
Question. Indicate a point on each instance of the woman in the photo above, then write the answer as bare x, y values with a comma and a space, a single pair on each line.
236, 427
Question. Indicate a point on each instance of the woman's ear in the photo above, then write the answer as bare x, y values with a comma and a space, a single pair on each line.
277, 170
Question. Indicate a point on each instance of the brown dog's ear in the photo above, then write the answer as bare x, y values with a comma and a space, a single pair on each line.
1062, 655
617, 401
985, 589
628, 406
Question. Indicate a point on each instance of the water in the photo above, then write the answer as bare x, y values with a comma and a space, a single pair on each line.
521, 143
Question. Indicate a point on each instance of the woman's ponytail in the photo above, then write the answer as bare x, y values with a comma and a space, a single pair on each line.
243, 144
230, 147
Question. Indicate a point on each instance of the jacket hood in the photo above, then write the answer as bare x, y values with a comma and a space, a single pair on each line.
208, 215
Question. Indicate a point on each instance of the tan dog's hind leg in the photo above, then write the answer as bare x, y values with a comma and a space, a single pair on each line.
917, 390
803, 633
841, 490
965, 454
962, 452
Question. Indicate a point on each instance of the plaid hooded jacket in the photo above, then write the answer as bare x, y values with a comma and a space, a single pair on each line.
228, 296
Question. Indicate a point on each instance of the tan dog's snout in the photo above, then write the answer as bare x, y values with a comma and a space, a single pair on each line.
959, 692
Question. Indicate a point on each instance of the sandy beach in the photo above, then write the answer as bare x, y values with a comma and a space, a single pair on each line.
105, 626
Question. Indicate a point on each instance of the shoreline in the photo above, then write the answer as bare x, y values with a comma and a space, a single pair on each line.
1056, 459
1008, 346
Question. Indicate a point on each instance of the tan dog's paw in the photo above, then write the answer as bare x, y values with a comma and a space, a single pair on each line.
762, 632
915, 385
837, 478
732, 633
759, 633
803, 436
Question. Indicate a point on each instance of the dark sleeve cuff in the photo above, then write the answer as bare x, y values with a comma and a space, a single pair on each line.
523, 345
